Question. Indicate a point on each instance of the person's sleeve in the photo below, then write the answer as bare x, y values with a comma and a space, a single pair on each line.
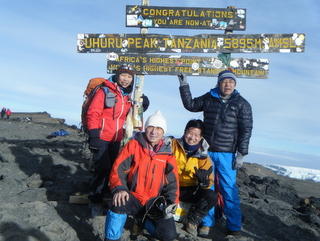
95, 111
171, 187
191, 104
245, 124
121, 167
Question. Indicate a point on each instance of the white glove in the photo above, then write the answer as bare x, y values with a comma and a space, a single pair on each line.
238, 161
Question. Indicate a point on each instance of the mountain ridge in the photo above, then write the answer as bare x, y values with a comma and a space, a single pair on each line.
38, 174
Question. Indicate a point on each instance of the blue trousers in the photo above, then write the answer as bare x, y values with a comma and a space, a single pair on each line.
229, 190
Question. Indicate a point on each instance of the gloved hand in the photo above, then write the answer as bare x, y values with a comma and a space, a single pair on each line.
203, 176
237, 161
182, 79
145, 102
94, 139
170, 210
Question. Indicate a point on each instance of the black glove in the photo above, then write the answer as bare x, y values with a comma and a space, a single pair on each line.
94, 139
182, 79
203, 176
145, 102
159, 208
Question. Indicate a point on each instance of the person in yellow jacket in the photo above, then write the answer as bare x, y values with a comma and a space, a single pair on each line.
196, 178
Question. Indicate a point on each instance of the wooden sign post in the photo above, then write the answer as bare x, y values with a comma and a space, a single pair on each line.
136, 48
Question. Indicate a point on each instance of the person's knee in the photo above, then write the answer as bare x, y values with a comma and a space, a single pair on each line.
119, 209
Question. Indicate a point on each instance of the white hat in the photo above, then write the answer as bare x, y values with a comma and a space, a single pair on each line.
157, 120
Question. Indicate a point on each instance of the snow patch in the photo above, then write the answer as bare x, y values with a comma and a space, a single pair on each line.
296, 172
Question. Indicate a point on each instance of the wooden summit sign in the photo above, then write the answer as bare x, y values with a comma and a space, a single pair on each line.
181, 17
153, 64
203, 43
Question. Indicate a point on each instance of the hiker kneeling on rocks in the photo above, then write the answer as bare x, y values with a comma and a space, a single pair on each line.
195, 176
144, 177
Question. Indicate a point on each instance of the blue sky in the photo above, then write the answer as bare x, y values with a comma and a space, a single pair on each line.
41, 70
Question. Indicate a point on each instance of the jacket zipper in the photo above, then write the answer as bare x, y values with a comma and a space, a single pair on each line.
102, 127
117, 122
152, 177
147, 174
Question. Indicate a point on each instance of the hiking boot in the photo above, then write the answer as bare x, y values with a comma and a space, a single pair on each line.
233, 233
192, 229
136, 229
204, 231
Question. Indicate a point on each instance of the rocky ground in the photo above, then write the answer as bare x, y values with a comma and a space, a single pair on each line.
37, 176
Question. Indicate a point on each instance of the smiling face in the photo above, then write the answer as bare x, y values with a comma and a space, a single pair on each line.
193, 136
125, 79
227, 86
154, 134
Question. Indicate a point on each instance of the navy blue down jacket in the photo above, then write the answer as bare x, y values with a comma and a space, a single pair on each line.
228, 126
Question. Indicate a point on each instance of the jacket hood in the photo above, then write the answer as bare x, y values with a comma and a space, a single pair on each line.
166, 147
215, 92
202, 152
124, 91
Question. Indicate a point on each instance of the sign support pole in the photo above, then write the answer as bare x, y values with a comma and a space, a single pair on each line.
137, 108
226, 57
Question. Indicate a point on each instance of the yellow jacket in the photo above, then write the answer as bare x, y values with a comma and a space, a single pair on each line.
186, 166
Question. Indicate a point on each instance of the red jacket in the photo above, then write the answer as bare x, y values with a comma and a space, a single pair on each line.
109, 120
146, 174
8, 112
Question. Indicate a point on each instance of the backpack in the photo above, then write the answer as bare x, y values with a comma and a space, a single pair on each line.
93, 86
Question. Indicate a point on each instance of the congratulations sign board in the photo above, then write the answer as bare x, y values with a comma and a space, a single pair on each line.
153, 64
204, 43
181, 17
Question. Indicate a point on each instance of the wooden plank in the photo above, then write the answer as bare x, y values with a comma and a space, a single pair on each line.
186, 17
153, 64
79, 199
203, 43
83, 199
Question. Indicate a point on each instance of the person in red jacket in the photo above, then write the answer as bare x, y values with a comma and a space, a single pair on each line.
8, 113
105, 119
144, 173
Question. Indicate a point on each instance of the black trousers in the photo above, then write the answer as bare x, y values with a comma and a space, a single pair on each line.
103, 160
165, 228
202, 201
